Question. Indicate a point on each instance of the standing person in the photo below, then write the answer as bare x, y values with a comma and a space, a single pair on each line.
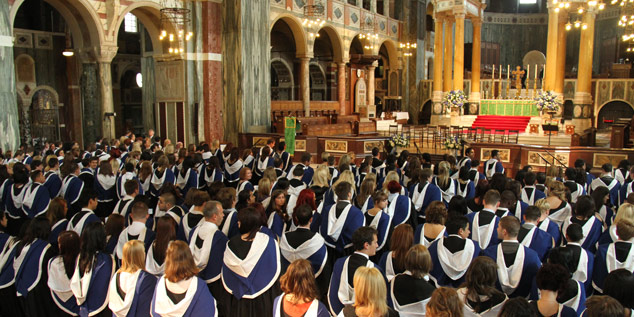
466, 187
60, 271
13, 197
469, 154
251, 268
207, 242
305, 164
93, 272
165, 233
370, 295
53, 182
300, 293
493, 165
180, 292
131, 288
576, 189
106, 190
411, 291
36, 198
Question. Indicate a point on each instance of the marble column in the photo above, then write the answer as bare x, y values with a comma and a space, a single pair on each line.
474, 96
561, 54
73, 108
9, 117
551, 49
386, 8
448, 53
304, 84
458, 59
341, 86
438, 60
246, 66
104, 56
373, 6
371, 83
583, 97
148, 92
91, 96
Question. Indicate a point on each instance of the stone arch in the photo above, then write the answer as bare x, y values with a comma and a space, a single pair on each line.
615, 102
392, 52
82, 20
354, 36
149, 14
318, 81
336, 41
29, 97
283, 70
424, 116
299, 34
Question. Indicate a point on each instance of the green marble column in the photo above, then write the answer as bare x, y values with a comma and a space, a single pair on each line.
8, 104
148, 91
91, 101
245, 66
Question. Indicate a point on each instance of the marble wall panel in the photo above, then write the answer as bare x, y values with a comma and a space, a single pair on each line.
8, 104
148, 92
91, 98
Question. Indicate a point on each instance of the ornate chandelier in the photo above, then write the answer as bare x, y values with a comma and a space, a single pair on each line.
314, 18
368, 33
174, 20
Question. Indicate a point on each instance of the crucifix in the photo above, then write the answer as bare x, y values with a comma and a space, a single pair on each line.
518, 73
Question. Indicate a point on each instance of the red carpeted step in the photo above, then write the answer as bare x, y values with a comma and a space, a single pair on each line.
493, 122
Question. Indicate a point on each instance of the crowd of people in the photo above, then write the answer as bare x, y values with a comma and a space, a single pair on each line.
140, 226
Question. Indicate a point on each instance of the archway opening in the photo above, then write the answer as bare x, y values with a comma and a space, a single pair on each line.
323, 65
425, 113
611, 112
568, 110
283, 63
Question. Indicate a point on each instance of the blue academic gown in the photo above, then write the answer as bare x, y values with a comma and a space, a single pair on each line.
494, 235
468, 192
402, 211
143, 293
34, 263
541, 243
316, 308
383, 225
40, 200
98, 287
552, 228
168, 177
202, 304
53, 183
308, 173
72, 187
353, 222
286, 159
437, 271
530, 267
593, 234
11, 205
277, 225
56, 229
211, 272
600, 271
336, 279
317, 259
423, 195
190, 181
120, 185
245, 186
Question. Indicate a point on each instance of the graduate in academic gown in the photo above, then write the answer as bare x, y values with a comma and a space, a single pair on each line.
340, 291
517, 264
207, 242
251, 269
340, 220
212, 172
53, 182
263, 161
279, 220
13, 198
87, 172
60, 271
447, 185
284, 156
36, 196
484, 223
56, 215
584, 215
131, 288
424, 193
529, 193
493, 165
305, 244
10, 304
106, 190
608, 181
180, 292
410, 291
305, 164
122, 179
434, 226
453, 254
466, 187
229, 225
572, 293
161, 176
393, 262
187, 177
616, 255
532, 237
30, 262
622, 173
602, 204
86, 216
300, 293
575, 188
165, 233
479, 294
469, 154
244, 183
551, 279
137, 230
93, 272
195, 215
399, 206
582, 261
232, 167
378, 218
560, 209
72, 187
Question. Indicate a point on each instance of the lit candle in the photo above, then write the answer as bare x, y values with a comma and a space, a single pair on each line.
528, 71
508, 71
536, 71
493, 74
500, 71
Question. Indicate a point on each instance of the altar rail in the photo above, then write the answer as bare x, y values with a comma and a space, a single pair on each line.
297, 105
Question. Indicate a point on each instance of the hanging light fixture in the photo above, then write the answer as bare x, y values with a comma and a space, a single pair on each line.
314, 18
174, 20
369, 34
68, 50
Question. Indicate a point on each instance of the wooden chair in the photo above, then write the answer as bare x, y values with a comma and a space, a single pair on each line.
513, 136
499, 136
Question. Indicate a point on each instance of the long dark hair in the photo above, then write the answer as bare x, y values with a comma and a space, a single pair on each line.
249, 222
480, 280
165, 232
282, 211
68, 250
38, 228
93, 241
187, 164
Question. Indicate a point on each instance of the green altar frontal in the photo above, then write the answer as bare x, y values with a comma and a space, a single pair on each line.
508, 107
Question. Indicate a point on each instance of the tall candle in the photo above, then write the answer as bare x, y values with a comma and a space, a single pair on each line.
508, 71
536, 71
543, 71
528, 71
493, 74
500, 71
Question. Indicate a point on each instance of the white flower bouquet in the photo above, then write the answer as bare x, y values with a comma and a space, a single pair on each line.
452, 143
400, 140
454, 99
547, 101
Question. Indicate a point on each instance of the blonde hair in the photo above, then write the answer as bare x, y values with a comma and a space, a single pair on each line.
345, 176
264, 188
352, 156
370, 293
443, 173
169, 149
625, 212
136, 147
558, 190
543, 205
322, 176
270, 173
391, 176
345, 159
133, 257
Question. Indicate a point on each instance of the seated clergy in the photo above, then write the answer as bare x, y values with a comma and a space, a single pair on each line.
339, 222
530, 194
616, 255
531, 236
136, 230
424, 193
206, 243
341, 292
484, 223
517, 264
453, 254
305, 244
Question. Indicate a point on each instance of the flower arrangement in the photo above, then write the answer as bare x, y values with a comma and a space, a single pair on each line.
452, 143
454, 98
546, 100
399, 140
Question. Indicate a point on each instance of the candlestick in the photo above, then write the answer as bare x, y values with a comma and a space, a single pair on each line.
493, 74
536, 71
508, 71
500, 71
528, 71
543, 70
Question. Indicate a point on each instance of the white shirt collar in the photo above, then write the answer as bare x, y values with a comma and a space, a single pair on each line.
360, 253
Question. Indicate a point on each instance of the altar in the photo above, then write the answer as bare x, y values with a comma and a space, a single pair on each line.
508, 107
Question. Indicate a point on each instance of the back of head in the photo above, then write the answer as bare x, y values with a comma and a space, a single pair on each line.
133, 256
618, 284
511, 225
226, 196
532, 213
574, 232
564, 257
299, 281
418, 261
603, 306
607, 168
211, 208
458, 205
306, 157
249, 222
370, 292
625, 229
580, 163
139, 211
298, 172
196, 197
131, 186
436, 213
179, 262
517, 307
529, 178
585, 207
508, 199
552, 277
571, 173
87, 194
481, 276
492, 197
445, 302
302, 214
362, 236
343, 189
455, 223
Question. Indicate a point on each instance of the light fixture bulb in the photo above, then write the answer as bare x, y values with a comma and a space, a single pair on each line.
68, 52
